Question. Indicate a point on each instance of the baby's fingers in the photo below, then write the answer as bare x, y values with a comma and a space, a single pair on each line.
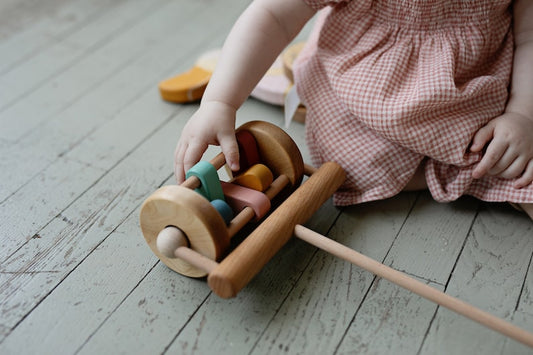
179, 172
230, 149
491, 157
186, 157
514, 169
194, 153
526, 178
481, 138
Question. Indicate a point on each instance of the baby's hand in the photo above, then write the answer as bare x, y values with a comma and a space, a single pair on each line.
509, 153
213, 123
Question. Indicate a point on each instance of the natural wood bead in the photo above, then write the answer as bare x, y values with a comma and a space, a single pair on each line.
170, 239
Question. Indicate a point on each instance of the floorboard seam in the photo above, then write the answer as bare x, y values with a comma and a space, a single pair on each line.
311, 258
114, 309
375, 277
449, 278
78, 58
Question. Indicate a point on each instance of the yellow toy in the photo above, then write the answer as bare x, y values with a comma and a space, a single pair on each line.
190, 86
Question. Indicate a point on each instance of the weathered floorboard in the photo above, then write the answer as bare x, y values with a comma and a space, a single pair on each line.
85, 138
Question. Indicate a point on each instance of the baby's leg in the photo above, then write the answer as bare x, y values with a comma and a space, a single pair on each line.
418, 181
528, 208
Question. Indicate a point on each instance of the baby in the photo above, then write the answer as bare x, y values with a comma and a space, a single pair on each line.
403, 95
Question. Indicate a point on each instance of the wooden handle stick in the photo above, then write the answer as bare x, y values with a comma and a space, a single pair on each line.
415, 286
239, 267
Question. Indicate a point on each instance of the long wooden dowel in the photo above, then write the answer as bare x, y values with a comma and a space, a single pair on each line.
415, 286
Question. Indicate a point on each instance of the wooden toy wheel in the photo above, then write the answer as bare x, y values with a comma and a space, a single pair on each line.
190, 212
277, 149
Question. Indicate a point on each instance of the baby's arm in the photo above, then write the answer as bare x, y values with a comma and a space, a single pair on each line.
256, 39
510, 151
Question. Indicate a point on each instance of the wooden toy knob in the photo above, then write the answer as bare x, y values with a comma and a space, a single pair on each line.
185, 209
168, 240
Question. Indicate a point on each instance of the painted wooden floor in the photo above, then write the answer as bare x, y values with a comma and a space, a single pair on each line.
85, 138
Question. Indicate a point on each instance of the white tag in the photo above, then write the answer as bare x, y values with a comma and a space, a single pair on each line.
292, 101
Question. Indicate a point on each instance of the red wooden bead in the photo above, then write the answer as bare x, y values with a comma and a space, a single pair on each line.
248, 151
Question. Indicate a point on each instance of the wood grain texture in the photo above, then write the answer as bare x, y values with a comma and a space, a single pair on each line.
324, 302
391, 320
40, 29
277, 150
432, 238
489, 274
62, 241
107, 59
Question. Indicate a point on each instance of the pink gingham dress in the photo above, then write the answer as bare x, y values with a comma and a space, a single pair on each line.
390, 85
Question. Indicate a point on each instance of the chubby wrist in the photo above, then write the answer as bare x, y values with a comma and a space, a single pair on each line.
521, 108
223, 107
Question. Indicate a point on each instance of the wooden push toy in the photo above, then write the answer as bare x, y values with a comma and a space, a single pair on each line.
190, 231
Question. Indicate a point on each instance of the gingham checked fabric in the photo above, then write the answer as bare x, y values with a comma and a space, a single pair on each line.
390, 85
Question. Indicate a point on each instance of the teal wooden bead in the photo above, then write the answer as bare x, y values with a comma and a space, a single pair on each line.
224, 209
210, 184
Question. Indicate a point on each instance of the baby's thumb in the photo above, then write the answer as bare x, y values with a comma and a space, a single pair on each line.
229, 147
481, 138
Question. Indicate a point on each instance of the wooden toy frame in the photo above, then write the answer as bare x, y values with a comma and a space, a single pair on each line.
187, 234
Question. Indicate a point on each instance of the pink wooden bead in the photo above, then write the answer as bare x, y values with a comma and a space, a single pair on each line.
239, 197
